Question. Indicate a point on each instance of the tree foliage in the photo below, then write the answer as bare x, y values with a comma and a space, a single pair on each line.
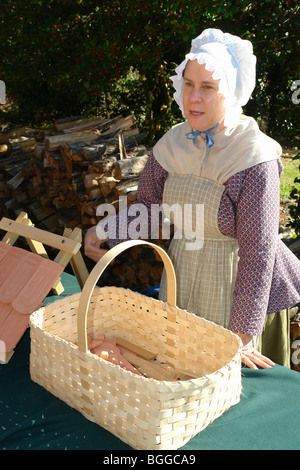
116, 56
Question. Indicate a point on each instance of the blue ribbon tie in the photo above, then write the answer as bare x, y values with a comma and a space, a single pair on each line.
208, 138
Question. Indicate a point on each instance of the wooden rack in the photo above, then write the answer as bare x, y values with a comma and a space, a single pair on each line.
68, 244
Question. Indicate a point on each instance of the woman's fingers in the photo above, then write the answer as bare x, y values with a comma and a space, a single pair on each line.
252, 359
92, 245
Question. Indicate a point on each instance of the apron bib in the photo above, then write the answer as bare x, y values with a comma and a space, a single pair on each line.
204, 259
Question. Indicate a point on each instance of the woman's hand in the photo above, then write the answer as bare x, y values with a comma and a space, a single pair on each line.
252, 358
92, 245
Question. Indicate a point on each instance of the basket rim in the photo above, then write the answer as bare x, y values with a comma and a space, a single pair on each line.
147, 299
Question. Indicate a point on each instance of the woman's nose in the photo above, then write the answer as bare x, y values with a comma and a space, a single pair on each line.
196, 95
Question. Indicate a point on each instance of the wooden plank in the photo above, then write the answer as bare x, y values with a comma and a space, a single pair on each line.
136, 349
157, 371
47, 238
10, 238
77, 263
150, 369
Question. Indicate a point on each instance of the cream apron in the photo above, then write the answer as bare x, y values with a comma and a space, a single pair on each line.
196, 175
205, 271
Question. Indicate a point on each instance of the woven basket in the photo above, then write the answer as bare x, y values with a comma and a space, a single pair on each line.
145, 413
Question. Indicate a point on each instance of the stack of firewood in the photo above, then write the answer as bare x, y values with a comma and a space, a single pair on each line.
60, 176
63, 174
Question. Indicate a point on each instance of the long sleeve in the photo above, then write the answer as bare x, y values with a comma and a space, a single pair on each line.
135, 221
257, 216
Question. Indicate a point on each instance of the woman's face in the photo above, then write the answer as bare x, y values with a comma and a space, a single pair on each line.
203, 105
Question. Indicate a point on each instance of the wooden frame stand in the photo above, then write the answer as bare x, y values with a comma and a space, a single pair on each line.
68, 245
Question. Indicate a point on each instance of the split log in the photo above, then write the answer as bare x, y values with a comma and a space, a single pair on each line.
25, 144
41, 212
69, 122
54, 160
106, 185
67, 161
129, 168
93, 152
86, 124
124, 187
103, 166
16, 180
91, 180
38, 151
73, 151
56, 141
101, 124
120, 125
94, 193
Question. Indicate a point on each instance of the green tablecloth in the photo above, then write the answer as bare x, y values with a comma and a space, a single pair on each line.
267, 417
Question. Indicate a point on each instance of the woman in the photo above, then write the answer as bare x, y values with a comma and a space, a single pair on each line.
219, 159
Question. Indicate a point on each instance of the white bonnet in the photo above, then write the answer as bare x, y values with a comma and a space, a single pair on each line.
232, 61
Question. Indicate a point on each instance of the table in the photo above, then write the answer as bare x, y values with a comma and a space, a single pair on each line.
267, 417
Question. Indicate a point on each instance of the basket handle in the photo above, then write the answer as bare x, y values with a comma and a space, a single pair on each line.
97, 272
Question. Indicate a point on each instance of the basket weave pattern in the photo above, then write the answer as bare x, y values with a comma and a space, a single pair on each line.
145, 413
